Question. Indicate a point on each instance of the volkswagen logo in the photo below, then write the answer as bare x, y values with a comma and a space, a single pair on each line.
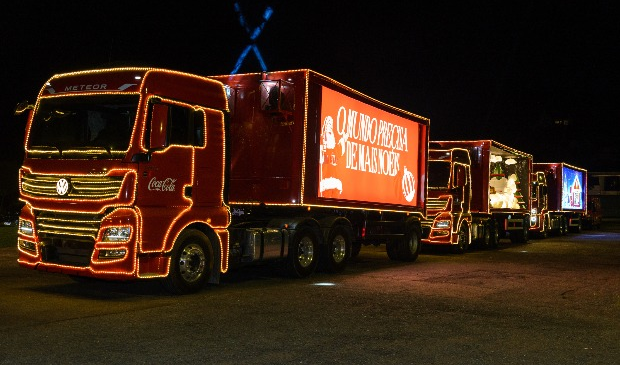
63, 186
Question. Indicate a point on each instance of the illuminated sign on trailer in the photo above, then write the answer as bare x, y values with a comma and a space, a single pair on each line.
366, 154
572, 189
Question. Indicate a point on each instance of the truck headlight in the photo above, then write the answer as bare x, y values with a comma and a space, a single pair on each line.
442, 224
117, 234
25, 227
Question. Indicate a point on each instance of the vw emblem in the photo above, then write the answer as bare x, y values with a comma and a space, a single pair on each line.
62, 187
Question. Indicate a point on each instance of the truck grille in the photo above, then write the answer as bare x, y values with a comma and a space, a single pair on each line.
82, 187
433, 207
436, 204
67, 238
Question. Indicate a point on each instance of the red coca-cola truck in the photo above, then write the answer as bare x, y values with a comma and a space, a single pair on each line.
478, 192
143, 173
559, 198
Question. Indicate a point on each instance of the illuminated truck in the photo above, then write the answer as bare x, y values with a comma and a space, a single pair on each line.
559, 198
478, 193
141, 173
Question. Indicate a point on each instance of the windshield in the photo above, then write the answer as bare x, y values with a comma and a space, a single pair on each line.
83, 126
438, 174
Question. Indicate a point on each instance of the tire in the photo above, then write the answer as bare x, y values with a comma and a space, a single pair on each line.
462, 244
563, 226
487, 237
494, 233
410, 246
545, 232
392, 250
336, 252
303, 253
190, 263
525, 234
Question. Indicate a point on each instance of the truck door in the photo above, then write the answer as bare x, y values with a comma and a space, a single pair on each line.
462, 188
165, 181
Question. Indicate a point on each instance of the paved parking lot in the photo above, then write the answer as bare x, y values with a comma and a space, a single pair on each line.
553, 301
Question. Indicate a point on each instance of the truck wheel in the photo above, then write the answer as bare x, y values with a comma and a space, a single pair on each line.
303, 253
494, 233
463, 243
336, 252
409, 248
563, 226
391, 247
525, 236
487, 237
190, 263
545, 228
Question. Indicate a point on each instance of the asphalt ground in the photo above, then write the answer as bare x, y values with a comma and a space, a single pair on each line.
552, 301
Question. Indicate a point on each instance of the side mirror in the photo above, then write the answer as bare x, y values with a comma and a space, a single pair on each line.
159, 122
22, 107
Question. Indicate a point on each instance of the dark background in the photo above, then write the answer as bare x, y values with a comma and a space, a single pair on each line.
541, 77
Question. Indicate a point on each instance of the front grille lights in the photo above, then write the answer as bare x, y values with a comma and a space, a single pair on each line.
112, 254
27, 245
25, 227
117, 234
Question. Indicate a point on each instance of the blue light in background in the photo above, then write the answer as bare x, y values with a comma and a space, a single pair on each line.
253, 35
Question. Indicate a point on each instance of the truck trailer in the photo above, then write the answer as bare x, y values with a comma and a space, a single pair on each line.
559, 198
478, 193
146, 173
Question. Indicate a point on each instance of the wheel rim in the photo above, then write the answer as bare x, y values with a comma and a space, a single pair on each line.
339, 249
192, 262
305, 255
413, 243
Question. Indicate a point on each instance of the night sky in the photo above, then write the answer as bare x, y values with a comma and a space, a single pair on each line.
541, 78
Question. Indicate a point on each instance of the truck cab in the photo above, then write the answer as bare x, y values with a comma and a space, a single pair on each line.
559, 195
123, 178
448, 220
594, 216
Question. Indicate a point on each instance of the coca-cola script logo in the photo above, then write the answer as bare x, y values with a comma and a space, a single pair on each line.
162, 185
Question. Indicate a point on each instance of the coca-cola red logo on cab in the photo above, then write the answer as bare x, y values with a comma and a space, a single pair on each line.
166, 184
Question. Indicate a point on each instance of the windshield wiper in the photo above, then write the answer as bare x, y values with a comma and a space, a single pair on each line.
88, 151
46, 151
57, 114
